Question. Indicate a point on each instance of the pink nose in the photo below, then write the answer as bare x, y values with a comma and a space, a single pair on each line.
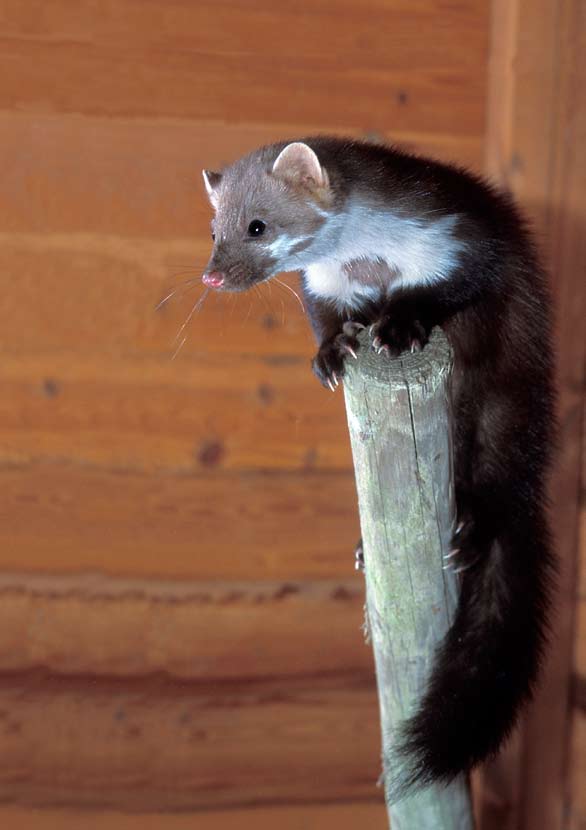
214, 279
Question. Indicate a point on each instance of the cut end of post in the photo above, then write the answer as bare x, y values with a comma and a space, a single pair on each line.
433, 361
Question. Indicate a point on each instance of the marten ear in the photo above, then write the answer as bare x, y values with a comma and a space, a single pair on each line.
212, 182
297, 164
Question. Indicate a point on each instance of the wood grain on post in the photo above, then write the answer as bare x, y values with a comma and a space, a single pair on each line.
399, 421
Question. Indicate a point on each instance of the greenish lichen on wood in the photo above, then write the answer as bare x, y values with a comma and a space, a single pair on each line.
399, 422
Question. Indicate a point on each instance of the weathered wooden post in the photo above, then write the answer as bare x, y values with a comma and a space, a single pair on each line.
399, 421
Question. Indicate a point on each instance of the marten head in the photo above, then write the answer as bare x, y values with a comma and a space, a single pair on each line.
271, 210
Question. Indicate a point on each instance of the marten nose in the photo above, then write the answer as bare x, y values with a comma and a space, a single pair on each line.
214, 279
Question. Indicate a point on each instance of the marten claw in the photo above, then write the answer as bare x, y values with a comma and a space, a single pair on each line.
467, 547
379, 346
359, 557
447, 557
328, 364
452, 553
395, 334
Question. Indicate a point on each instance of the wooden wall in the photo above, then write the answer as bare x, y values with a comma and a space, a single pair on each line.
180, 621
179, 616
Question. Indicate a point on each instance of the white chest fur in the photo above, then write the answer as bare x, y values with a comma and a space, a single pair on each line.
334, 280
415, 252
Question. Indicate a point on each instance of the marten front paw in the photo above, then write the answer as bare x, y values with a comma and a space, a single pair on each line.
328, 364
395, 333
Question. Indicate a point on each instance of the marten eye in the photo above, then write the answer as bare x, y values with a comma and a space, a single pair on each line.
213, 237
256, 228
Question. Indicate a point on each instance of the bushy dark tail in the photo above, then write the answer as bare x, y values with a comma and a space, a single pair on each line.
488, 664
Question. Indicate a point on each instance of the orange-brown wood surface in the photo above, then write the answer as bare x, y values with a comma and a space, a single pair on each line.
256, 526
161, 743
381, 64
199, 631
346, 816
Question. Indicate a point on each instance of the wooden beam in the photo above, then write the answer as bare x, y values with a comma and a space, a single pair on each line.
536, 135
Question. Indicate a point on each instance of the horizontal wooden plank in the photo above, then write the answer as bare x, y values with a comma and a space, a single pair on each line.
101, 296
277, 526
99, 80
198, 630
142, 178
367, 34
161, 744
346, 816
401, 66
225, 412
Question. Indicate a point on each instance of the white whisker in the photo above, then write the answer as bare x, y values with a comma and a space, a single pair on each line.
178, 349
183, 287
162, 302
195, 308
295, 294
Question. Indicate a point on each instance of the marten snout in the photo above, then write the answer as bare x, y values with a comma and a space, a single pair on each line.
213, 279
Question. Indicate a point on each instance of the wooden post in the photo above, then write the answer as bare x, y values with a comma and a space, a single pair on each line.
398, 416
